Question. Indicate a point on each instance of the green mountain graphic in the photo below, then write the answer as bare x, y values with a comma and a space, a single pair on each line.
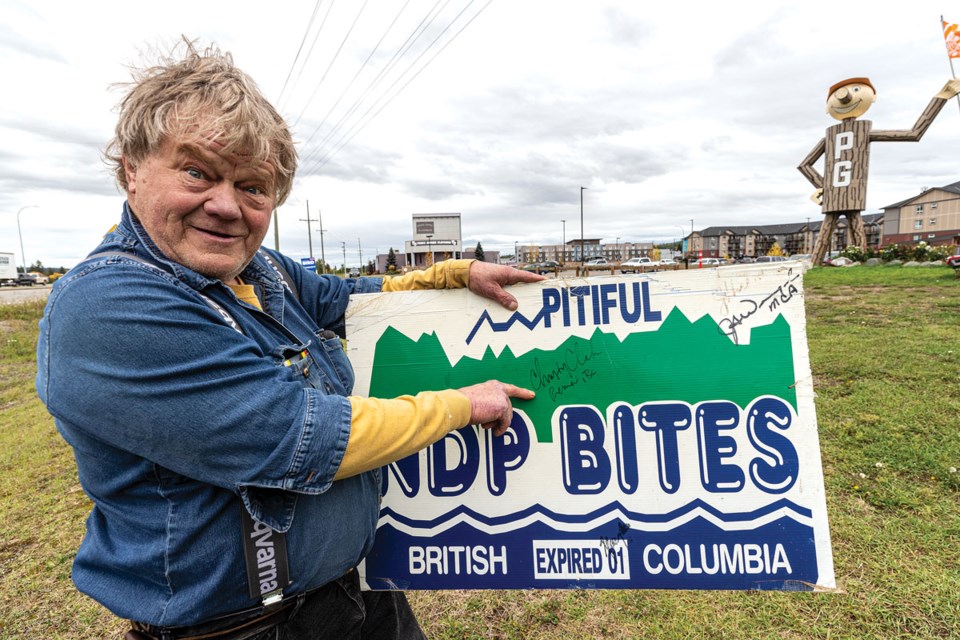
682, 360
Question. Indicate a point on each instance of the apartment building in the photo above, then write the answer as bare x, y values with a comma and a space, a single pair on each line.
932, 216
793, 238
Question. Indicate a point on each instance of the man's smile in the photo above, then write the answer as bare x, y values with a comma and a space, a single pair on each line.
218, 234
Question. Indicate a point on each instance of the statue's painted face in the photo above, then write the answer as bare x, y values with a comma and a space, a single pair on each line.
850, 101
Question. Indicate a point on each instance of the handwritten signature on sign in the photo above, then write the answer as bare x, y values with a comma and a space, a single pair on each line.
563, 374
621, 538
780, 296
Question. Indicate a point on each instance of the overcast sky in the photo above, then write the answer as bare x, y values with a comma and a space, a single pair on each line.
667, 112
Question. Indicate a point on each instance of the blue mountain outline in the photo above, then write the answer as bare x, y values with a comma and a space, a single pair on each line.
498, 327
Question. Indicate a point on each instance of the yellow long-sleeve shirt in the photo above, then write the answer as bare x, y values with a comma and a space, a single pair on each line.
382, 431
385, 430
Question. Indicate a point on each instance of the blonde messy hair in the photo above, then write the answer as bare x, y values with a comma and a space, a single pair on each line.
201, 89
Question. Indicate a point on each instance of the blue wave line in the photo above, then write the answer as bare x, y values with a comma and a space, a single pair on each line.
499, 327
581, 518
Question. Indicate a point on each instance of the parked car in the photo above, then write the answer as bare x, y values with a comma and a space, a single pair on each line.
354, 272
29, 279
669, 264
763, 259
633, 265
596, 261
954, 260
706, 262
547, 266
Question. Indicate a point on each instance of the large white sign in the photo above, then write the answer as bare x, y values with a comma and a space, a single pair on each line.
672, 443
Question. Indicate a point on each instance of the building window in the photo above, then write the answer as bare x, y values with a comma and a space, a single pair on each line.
918, 223
919, 210
933, 205
933, 222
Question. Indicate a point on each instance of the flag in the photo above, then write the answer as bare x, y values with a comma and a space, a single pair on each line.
952, 35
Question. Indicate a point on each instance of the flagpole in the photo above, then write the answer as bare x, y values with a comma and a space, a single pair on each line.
949, 58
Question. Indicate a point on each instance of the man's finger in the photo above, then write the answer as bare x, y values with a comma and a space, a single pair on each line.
514, 391
526, 276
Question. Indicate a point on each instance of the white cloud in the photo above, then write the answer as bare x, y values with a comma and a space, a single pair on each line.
669, 112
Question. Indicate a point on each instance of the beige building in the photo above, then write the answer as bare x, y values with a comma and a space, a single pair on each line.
436, 237
932, 216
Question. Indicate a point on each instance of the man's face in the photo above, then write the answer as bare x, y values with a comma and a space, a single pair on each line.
206, 210
850, 101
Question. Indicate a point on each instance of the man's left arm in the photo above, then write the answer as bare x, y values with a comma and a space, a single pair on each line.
483, 278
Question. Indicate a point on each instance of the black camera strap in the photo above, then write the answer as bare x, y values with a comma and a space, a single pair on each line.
265, 554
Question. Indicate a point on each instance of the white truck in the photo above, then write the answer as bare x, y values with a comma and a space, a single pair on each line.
8, 270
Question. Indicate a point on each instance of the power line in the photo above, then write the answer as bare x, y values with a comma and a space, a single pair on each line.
313, 17
332, 61
313, 44
357, 74
323, 161
398, 54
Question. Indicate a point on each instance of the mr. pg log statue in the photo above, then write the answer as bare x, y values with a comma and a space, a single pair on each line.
846, 151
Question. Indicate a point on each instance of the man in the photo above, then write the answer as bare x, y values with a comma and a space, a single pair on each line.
846, 151
204, 389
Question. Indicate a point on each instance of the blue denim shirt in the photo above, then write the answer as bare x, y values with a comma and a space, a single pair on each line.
179, 420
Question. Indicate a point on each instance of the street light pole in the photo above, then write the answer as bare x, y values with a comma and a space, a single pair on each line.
430, 247
343, 245
563, 249
323, 255
23, 256
582, 256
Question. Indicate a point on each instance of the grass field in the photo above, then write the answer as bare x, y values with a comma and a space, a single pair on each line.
885, 354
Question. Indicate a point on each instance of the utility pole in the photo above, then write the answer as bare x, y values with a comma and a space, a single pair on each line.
276, 231
360, 251
582, 271
343, 245
309, 236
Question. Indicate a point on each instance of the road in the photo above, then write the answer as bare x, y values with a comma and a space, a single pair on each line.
16, 295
